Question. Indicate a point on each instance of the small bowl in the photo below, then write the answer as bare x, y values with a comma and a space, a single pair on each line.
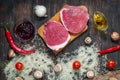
24, 31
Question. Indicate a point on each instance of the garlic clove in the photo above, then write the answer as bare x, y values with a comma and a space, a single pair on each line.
40, 10
11, 53
38, 74
113, 78
58, 68
19, 78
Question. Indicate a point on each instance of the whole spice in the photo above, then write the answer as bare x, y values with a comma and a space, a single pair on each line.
115, 36
13, 45
109, 50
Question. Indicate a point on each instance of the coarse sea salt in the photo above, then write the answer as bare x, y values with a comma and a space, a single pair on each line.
36, 61
40, 60
88, 58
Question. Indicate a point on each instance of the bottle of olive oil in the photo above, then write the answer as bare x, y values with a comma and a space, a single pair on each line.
100, 21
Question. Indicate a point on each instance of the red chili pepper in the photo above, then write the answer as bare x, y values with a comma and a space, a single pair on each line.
13, 45
112, 49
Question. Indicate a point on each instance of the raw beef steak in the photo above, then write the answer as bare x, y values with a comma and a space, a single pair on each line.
74, 18
56, 36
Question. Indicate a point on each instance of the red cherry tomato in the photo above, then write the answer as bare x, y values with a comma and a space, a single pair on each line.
111, 64
19, 66
76, 64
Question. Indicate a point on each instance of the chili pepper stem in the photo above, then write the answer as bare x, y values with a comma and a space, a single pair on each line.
5, 26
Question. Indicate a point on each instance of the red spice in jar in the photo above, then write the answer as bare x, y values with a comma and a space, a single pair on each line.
24, 31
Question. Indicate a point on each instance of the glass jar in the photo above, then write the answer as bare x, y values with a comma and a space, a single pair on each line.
24, 31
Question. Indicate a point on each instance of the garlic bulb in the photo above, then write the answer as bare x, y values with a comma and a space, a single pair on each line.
40, 10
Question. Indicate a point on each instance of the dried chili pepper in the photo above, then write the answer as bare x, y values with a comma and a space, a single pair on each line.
112, 49
13, 45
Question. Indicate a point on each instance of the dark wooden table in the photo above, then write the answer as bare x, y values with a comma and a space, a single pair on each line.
12, 11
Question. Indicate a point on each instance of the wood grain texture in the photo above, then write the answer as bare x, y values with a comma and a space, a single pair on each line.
9, 12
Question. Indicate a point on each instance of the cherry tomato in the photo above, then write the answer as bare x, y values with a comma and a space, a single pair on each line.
76, 64
19, 66
111, 64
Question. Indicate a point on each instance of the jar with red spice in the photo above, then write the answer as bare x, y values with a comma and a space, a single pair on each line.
24, 31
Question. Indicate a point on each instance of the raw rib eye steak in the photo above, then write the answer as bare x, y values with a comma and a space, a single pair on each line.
56, 36
74, 18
